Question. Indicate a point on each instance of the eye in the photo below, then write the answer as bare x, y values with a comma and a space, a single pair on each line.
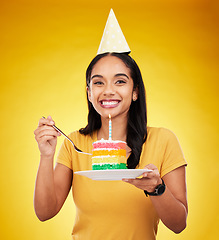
98, 82
120, 82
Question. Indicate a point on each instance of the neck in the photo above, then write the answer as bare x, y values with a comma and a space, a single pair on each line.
119, 128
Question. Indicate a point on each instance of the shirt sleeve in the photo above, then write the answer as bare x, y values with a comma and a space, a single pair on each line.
173, 154
64, 155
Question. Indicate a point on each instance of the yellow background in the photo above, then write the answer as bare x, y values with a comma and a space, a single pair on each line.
46, 46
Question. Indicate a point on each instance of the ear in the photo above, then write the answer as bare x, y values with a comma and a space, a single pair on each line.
135, 94
89, 94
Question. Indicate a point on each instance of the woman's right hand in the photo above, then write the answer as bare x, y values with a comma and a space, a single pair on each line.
46, 137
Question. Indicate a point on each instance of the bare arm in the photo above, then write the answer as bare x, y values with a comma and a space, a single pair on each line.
52, 185
171, 206
51, 190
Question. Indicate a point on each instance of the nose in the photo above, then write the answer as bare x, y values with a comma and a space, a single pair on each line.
109, 90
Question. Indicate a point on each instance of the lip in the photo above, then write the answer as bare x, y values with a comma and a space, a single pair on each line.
109, 103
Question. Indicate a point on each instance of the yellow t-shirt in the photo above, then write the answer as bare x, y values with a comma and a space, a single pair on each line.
114, 209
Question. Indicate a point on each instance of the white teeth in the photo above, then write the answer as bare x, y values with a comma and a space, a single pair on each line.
109, 103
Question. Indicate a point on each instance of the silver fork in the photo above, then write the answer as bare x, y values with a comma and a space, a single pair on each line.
76, 149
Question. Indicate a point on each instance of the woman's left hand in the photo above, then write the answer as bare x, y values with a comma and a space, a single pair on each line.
149, 181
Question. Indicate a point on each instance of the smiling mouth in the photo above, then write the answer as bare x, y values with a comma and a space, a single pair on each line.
109, 103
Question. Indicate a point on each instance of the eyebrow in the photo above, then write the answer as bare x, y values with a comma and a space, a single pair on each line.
98, 76
117, 75
121, 74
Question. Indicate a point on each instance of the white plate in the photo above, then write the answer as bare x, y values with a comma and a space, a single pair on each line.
117, 174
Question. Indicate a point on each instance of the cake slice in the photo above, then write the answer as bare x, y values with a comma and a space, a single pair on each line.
109, 154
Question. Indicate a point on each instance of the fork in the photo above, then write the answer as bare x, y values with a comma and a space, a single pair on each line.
76, 149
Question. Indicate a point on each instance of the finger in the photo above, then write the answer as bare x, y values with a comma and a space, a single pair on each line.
139, 183
43, 128
132, 181
145, 174
143, 183
151, 173
46, 121
150, 166
51, 120
46, 139
43, 142
46, 133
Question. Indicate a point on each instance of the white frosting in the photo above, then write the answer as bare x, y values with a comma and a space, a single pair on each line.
107, 149
109, 141
102, 163
107, 156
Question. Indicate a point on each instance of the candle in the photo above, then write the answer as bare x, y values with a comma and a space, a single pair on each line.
110, 128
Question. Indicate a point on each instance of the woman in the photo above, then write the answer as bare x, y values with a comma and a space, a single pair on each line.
114, 209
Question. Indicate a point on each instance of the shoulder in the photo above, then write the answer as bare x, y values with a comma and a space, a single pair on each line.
160, 132
164, 144
162, 137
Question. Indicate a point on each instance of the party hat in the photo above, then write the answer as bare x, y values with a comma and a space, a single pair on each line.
113, 39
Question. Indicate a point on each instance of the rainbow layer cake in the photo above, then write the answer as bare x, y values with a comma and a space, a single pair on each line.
109, 154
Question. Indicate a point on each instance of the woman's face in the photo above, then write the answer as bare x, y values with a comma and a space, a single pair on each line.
111, 87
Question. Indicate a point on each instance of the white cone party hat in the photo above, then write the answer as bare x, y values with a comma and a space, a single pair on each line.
113, 39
